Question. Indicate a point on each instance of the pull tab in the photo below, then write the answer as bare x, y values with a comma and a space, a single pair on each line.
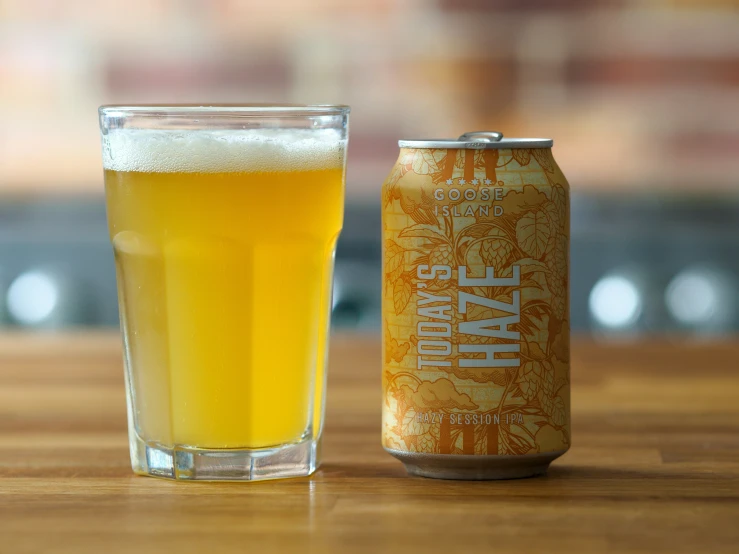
482, 136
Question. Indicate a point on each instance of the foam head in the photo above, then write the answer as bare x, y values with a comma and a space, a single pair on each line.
222, 151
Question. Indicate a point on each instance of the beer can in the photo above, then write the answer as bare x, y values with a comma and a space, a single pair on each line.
476, 380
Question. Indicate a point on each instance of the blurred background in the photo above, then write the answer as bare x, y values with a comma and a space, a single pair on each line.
641, 97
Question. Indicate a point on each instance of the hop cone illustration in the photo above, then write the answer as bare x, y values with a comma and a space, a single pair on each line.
495, 252
547, 402
442, 255
558, 305
530, 379
557, 276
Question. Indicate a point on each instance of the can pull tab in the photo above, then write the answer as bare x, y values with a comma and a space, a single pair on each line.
482, 136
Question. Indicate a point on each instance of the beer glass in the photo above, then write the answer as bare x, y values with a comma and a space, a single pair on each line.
224, 221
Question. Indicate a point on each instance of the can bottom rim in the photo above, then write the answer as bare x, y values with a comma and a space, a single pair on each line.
475, 468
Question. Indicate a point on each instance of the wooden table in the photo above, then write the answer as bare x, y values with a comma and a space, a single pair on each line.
654, 467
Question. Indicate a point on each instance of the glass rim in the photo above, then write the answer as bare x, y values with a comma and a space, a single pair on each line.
234, 110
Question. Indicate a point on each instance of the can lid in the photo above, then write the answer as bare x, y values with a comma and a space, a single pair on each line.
478, 140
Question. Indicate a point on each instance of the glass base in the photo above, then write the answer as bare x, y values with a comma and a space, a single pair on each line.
196, 464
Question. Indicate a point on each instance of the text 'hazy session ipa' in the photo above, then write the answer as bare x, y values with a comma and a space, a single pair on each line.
476, 381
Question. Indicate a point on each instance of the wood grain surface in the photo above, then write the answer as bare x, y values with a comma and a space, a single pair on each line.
654, 466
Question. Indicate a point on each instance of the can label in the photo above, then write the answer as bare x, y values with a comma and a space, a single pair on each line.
475, 303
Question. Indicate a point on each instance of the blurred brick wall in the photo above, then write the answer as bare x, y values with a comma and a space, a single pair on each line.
640, 93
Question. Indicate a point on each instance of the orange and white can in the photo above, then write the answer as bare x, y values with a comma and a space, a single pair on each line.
476, 373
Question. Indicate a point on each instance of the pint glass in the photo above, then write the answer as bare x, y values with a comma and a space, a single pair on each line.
224, 221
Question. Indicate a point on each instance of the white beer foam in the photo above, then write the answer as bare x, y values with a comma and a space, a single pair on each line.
209, 151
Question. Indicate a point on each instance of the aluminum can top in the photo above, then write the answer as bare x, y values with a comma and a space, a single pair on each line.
478, 140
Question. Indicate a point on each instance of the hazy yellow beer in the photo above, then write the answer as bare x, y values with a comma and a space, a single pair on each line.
224, 243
